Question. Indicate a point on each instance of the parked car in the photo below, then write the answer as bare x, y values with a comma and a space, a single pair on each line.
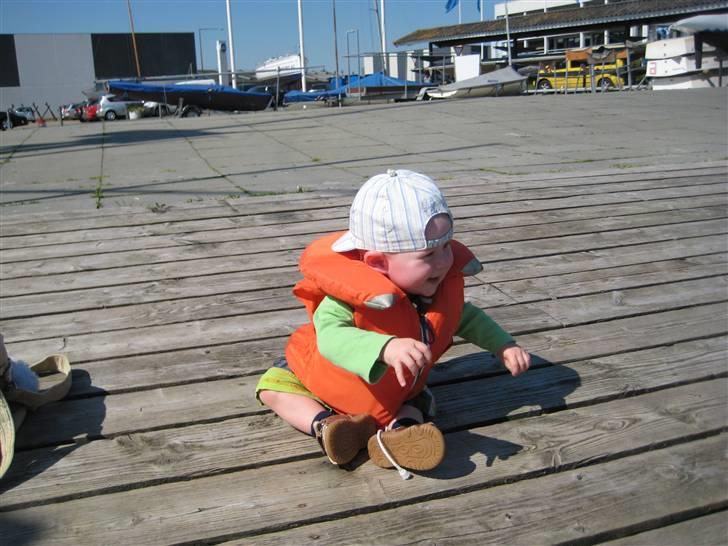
73, 110
152, 108
26, 111
8, 120
112, 107
89, 110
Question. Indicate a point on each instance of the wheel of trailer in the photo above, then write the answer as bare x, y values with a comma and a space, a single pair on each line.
604, 84
191, 112
4, 125
110, 115
544, 84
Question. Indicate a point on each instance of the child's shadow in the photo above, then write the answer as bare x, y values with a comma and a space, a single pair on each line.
463, 447
52, 432
543, 388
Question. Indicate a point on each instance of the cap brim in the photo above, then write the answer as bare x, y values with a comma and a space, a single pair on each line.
345, 243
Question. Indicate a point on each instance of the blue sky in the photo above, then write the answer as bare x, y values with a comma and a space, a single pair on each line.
262, 28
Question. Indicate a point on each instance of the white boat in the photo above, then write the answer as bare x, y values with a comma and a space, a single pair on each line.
505, 81
692, 61
286, 64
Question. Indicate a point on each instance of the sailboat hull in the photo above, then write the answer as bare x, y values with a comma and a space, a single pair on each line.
212, 97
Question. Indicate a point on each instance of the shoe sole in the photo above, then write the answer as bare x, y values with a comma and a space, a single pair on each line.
419, 447
344, 439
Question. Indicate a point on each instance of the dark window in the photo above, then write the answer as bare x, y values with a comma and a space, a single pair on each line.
159, 54
8, 62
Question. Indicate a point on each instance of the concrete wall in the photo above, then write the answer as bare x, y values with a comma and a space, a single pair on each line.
52, 68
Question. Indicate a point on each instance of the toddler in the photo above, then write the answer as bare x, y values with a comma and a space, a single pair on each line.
385, 300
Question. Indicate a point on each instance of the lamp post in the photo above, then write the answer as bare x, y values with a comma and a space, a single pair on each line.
199, 35
336, 52
348, 57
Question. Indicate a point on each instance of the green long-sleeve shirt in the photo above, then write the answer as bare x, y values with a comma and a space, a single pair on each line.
358, 351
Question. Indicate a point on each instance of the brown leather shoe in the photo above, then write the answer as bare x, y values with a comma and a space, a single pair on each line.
418, 447
343, 436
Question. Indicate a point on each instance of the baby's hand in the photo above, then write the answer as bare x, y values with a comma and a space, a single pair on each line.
406, 353
515, 359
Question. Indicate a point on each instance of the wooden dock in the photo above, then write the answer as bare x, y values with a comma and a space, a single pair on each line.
616, 282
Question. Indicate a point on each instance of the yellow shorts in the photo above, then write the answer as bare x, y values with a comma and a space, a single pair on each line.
280, 378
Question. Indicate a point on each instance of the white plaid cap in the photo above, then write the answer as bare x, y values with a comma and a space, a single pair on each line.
390, 213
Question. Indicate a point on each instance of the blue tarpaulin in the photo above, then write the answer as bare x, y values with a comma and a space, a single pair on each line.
378, 79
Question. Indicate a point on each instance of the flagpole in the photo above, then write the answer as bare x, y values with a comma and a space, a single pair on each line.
302, 62
336, 54
231, 47
482, 46
383, 34
508, 35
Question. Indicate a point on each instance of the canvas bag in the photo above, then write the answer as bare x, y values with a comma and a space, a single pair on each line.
12, 418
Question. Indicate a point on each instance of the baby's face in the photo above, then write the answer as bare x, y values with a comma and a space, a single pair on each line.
421, 272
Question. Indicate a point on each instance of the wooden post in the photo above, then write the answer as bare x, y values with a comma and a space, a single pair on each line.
629, 70
278, 85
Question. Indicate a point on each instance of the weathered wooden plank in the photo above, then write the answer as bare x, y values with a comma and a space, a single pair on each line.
158, 408
137, 293
110, 257
463, 208
15, 225
112, 296
611, 497
709, 530
633, 301
527, 205
497, 252
240, 504
199, 450
174, 319
589, 260
616, 278
100, 342
18, 249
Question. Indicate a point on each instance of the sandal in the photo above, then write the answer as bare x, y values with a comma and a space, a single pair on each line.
342, 436
417, 447
15, 401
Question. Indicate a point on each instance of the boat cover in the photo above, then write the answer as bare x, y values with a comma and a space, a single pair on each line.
377, 79
213, 97
502, 76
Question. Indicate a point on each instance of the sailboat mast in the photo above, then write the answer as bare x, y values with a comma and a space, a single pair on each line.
302, 62
231, 47
133, 40
383, 35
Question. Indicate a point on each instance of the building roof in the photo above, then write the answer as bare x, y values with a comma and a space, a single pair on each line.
537, 24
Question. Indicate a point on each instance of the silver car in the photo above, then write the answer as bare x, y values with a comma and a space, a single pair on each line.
112, 107
25, 111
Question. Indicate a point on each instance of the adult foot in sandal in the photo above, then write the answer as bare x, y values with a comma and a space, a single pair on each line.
417, 447
343, 436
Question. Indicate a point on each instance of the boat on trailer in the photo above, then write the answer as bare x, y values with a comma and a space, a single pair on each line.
505, 81
211, 97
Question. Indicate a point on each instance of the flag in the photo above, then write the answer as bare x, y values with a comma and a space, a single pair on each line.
452, 3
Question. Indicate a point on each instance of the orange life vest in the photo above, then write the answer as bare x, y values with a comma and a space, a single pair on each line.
378, 306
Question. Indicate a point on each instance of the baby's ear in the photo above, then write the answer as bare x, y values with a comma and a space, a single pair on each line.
376, 260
